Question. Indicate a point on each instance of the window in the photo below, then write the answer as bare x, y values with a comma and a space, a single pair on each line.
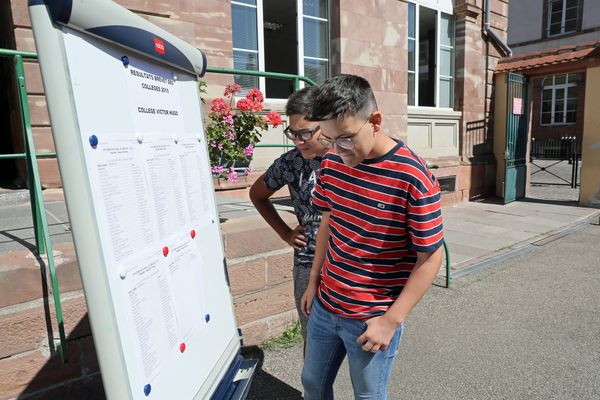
286, 36
245, 40
559, 100
562, 16
430, 57
316, 40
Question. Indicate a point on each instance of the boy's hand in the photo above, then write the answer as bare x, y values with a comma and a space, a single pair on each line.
378, 335
307, 299
295, 238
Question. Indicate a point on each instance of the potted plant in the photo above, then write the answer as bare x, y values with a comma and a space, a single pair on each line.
234, 129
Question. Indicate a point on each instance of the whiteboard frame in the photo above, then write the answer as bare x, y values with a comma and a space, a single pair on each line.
78, 196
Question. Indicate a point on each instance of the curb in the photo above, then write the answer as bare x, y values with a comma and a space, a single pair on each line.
14, 197
524, 248
19, 197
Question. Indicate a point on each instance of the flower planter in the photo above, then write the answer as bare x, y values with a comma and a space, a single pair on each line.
221, 183
232, 133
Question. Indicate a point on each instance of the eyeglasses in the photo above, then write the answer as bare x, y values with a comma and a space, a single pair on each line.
346, 142
300, 134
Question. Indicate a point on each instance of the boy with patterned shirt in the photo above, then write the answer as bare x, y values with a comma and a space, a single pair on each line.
297, 169
378, 247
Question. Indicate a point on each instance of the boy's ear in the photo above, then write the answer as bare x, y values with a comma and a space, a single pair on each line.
375, 120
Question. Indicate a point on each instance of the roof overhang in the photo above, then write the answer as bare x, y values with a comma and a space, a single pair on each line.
564, 59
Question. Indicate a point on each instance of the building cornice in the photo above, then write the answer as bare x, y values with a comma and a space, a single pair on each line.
468, 11
555, 37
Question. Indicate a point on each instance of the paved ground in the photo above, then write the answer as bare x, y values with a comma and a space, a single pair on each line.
16, 232
474, 230
555, 193
477, 230
558, 172
526, 329
521, 330
550, 180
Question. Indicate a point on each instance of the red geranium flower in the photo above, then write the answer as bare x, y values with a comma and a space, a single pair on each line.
274, 118
255, 96
244, 105
232, 89
256, 107
219, 106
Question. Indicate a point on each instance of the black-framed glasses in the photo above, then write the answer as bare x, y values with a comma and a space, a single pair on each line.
345, 142
300, 134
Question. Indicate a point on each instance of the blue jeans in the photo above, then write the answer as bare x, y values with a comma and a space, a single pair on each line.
330, 338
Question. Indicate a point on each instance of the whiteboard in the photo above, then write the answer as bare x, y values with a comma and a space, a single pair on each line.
145, 156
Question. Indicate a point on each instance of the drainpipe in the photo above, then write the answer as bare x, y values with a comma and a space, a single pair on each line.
490, 33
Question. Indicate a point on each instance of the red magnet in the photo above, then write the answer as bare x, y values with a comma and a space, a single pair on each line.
165, 251
182, 347
193, 233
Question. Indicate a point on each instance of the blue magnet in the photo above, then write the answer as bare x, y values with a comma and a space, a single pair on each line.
147, 389
125, 60
93, 141
207, 317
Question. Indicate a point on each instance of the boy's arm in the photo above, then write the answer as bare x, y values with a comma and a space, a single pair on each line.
318, 260
381, 329
259, 195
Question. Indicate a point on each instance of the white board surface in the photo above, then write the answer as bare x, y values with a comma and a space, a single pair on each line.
143, 147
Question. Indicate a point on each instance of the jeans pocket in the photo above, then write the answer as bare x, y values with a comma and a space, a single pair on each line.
395, 342
361, 327
354, 327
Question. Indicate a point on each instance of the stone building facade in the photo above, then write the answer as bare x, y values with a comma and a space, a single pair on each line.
443, 113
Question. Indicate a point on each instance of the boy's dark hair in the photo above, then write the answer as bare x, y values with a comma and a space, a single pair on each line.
301, 102
343, 96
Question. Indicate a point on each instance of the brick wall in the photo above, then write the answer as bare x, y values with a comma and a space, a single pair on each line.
476, 60
206, 24
369, 38
260, 271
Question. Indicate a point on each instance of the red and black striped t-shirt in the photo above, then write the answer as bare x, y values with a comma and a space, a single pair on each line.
382, 212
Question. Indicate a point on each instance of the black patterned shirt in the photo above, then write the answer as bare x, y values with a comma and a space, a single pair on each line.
300, 175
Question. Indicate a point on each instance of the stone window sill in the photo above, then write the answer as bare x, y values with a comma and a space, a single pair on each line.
433, 113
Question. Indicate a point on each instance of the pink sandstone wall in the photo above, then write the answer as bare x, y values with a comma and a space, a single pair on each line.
206, 24
259, 265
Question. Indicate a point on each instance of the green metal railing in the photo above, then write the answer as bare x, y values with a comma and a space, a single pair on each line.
42, 235
275, 75
40, 223
24, 155
447, 253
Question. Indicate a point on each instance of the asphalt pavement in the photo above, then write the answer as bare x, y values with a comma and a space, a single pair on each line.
528, 328
16, 225
524, 323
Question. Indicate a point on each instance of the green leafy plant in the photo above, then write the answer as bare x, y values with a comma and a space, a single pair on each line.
291, 336
202, 90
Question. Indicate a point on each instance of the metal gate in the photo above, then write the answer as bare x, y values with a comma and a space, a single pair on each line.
515, 172
555, 162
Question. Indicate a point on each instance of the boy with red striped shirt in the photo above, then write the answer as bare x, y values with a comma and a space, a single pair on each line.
379, 245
